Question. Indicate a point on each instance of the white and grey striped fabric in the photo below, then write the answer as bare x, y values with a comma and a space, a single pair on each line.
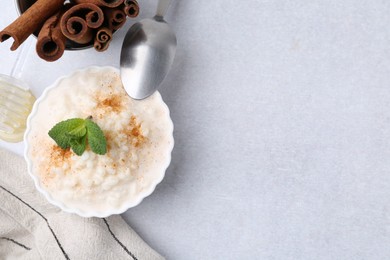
30, 228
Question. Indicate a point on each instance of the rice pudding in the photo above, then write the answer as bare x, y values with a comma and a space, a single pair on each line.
139, 143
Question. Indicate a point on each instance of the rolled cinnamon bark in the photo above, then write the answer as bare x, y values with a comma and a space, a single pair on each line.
30, 21
102, 39
106, 3
77, 23
114, 18
131, 8
77, 30
51, 41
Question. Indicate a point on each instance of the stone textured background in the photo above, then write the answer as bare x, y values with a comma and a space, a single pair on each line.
282, 128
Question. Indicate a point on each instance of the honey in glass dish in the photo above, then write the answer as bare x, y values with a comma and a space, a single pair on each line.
16, 102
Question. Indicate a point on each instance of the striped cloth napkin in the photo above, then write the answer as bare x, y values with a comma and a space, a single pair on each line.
31, 228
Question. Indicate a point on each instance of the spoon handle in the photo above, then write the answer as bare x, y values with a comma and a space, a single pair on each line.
162, 8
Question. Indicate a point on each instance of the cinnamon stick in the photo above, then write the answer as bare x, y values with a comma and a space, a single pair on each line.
30, 21
102, 39
131, 8
51, 41
114, 18
77, 23
105, 3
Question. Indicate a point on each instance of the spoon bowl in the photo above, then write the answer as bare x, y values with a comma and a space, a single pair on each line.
147, 54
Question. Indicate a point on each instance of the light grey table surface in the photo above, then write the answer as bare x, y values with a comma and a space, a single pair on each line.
282, 128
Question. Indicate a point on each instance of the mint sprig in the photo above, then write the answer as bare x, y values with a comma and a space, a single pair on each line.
96, 139
76, 133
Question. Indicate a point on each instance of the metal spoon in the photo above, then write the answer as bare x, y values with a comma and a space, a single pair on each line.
147, 54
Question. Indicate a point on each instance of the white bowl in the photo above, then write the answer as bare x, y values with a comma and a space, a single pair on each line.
157, 178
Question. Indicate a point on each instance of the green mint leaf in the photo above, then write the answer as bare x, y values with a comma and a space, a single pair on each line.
96, 139
78, 145
75, 132
78, 132
60, 132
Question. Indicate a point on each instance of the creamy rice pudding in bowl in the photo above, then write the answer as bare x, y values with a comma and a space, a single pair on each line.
138, 136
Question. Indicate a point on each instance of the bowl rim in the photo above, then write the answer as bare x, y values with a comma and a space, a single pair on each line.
145, 193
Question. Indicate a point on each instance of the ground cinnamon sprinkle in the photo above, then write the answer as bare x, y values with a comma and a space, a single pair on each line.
108, 140
113, 103
134, 133
57, 158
